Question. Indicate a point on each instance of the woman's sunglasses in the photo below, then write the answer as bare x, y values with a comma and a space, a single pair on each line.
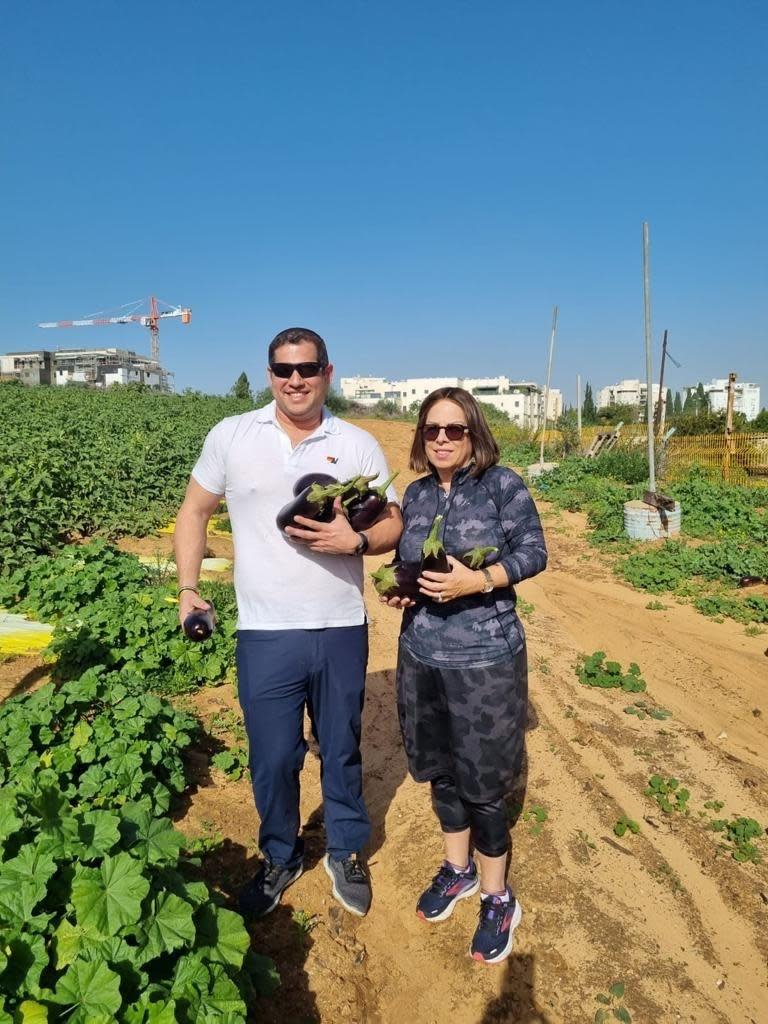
453, 431
304, 370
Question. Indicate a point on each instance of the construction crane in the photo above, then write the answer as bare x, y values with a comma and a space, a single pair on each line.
150, 320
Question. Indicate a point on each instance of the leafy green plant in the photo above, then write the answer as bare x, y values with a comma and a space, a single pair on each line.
524, 608
138, 631
668, 794
232, 762
612, 1005
656, 606
594, 670
537, 815
624, 825
752, 609
740, 833
642, 709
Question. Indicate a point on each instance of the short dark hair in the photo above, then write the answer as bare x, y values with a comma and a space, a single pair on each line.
485, 451
295, 336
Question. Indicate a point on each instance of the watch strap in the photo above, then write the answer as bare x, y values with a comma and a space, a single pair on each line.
489, 584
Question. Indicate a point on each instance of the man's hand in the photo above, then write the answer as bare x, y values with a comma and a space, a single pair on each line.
189, 602
334, 538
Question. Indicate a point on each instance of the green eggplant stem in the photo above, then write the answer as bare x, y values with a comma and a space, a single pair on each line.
475, 557
384, 579
433, 545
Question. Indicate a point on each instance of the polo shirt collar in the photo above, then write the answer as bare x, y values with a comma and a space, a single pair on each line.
328, 425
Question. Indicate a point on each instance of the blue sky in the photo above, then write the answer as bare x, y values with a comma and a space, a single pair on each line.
420, 183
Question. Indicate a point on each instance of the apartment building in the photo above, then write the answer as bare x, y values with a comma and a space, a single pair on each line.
627, 392
522, 401
96, 367
746, 396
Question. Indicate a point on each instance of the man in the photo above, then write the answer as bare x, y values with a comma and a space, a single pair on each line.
302, 629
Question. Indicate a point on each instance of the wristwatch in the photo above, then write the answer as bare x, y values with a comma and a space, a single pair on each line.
362, 545
489, 584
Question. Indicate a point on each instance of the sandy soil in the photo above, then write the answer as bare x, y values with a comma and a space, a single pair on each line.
668, 911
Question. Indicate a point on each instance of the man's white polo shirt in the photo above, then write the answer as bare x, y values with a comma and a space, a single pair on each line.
281, 584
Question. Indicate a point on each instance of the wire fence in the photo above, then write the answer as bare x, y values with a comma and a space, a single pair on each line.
741, 459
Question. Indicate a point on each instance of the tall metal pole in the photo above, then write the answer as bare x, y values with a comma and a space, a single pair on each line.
549, 377
578, 404
648, 357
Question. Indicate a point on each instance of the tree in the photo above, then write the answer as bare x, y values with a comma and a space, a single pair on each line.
337, 403
678, 404
670, 411
264, 397
588, 409
760, 422
689, 405
702, 402
241, 389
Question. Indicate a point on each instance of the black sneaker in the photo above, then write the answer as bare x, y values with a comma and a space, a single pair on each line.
492, 941
351, 885
261, 895
448, 887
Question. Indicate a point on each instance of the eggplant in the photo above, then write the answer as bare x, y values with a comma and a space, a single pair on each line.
324, 479
199, 624
475, 557
398, 579
314, 502
365, 507
433, 556
752, 581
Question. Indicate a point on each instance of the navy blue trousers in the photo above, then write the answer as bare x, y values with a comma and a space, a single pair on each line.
280, 671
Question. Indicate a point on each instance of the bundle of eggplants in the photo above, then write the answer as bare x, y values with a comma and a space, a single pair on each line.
363, 503
314, 501
401, 579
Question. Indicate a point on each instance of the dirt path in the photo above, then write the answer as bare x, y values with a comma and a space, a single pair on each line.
668, 911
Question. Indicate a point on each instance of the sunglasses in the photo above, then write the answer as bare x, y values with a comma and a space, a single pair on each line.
304, 370
453, 431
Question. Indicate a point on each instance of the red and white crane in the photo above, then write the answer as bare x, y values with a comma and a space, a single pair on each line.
151, 320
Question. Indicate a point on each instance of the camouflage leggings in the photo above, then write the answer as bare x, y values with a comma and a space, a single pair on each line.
466, 724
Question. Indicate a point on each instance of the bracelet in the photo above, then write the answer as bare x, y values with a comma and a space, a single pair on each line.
181, 590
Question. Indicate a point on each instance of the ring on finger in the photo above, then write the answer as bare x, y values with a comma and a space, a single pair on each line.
438, 597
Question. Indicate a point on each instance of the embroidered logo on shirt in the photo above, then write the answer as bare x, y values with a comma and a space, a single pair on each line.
331, 458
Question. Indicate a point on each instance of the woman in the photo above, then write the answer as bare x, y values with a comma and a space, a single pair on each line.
462, 677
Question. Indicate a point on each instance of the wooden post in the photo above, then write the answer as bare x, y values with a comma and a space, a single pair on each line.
728, 454
658, 422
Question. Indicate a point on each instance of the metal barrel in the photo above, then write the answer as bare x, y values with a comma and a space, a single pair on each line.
644, 522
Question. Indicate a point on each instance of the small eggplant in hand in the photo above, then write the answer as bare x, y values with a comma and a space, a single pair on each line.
475, 557
323, 479
199, 624
314, 502
433, 556
398, 579
366, 506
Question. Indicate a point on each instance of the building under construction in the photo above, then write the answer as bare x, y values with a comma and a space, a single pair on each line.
93, 367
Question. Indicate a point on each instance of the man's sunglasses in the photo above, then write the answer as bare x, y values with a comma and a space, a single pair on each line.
304, 370
453, 431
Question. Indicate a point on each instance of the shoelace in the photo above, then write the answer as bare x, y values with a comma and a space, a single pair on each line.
492, 914
443, 880
353, 870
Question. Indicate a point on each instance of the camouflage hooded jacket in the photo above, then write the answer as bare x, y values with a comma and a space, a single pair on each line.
494, 509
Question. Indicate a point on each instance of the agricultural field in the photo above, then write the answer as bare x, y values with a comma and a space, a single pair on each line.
639, 845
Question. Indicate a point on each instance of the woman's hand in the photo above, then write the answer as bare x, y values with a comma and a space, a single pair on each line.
447, 586
397, 602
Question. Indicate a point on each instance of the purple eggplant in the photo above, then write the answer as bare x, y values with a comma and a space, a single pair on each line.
324, 479
433, 556
398, 579
199, 624
752, 581
365, 507
314, 502
475, 558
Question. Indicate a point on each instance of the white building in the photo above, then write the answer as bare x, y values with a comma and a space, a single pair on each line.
627, 392
96, 367
522, 401
746, 397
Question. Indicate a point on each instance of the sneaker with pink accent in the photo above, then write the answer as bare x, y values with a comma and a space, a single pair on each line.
493, 938
448, 886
